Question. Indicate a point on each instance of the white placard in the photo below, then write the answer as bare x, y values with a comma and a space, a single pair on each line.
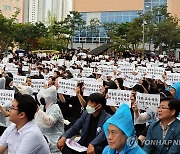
107, 70
91, 87
46, 62
148, 102
172, 78
155, 73
1, 66
37, 84
25, 68
126, 69
75, 72
141, 70
94, 64
177, 64
61, 62
176, 70
18, 80
131, 80
67, 87
118, 97
87, 72
12, 70
86, 79
21, 54
6, 95
34, 72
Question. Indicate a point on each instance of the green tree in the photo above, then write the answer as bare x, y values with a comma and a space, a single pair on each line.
6, 32
72, 22
94, 28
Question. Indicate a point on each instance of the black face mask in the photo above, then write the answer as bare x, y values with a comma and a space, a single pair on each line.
42, 100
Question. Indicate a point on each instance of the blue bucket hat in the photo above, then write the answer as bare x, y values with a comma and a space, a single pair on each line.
121, 119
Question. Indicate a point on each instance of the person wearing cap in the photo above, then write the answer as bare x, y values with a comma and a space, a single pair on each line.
163, 136
120, 133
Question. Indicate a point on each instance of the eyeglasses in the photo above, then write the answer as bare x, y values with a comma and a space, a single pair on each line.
112, 132
12, 108
163, 108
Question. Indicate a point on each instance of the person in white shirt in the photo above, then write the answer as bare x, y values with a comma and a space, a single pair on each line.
23, 136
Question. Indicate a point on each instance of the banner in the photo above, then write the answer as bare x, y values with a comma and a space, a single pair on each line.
118, 97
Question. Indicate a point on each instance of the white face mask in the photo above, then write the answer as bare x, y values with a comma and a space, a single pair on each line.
90, 109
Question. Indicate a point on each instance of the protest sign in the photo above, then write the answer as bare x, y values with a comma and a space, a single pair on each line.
18, 80
118, 97
148, 102
37, 84
6, 95
155, 73
172, 78
12, 70
25, 68
91, 87
107, 70
126, 69
141, 70
87, 72
1, 66
176, 70
61, 62
131, 80
67, 87
34, 72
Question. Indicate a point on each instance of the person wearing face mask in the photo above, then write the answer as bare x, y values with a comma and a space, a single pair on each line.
90, 122
49, 117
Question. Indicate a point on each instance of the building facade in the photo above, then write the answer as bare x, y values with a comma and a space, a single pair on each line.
116, 11
44, 10
9, 7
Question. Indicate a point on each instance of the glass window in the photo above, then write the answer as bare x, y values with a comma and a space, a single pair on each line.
126, 13
111, 13
104, 19
157, 1
125, 18
104, 14
145, 1
118, 13
133, 13
163, 1
110, 18
89, 40
131, 18
155, 4
118, 19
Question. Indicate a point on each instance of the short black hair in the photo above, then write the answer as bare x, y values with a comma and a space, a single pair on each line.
27, 104
138, 88
173, 104
97, 98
